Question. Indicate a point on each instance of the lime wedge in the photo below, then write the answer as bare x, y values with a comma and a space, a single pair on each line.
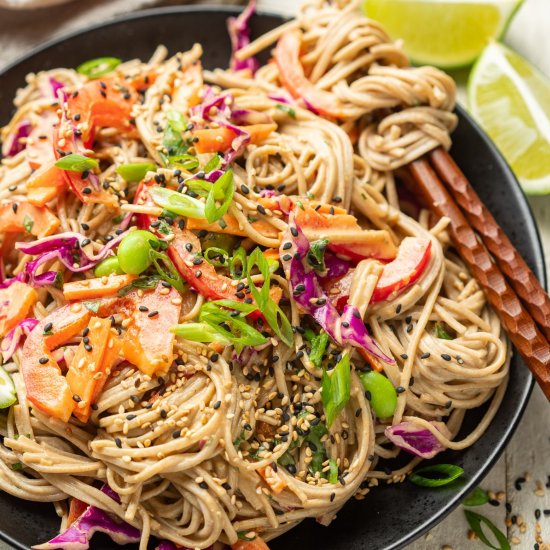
445, 33
511, 100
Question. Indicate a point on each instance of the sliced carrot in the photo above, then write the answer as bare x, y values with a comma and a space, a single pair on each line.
40, 196
293, 78
345, 235
188, 91
96, 288
47, 175
110, 359
255, 544
87, 367
271, 253
15, 303
148, 342
21, 217
76, 509
40, 148
286, 204
273, 479
231, 227
214, 140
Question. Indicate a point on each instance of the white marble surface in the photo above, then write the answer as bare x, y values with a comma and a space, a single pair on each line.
529, 450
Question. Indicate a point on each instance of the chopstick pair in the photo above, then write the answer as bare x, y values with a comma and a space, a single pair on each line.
511, 287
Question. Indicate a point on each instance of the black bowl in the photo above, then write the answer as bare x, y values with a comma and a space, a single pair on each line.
391, 515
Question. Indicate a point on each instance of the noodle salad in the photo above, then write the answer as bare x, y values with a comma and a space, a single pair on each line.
221, 311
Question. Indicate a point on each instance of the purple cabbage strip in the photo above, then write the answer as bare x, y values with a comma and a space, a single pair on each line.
353, 331
65, 247
245, 117
417, 440
93, 520
12, 146
306, 290
239, 33
336, 267
285, 99
12, 340
57, 87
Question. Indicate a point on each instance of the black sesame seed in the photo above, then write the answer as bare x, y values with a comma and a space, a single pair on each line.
337, 199
188, 247
77, 398
87, 191
398, 309
131, 416
152, 313
399, 389
163, 413
332, 496
217, 404
244, 189
86, 340
404, 356
408, 319
294, 231
356, 313
494, 502
445, 357
261, 209
409, 328
87, 347
358, 413
43, 360
48, 327
86, 331
345, 324
449, 404
203, 485
118, 442
287, 245
198, 274
425, 355
14, 207
287, 257
518, 483
94, 407
226, 486
143, 308
214, 357
537, 513
546, 512
176, 434
197, 261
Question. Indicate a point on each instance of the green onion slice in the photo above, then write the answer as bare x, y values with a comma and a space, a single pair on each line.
333, 472
8, 395
28, 222
475, 521
76, 163
213, 163
222, 190
316, 254
135, 171
200, 332
166, 269
335, 389
436, 475
318, 347
94, 68
177, 203
477, 497
273, 314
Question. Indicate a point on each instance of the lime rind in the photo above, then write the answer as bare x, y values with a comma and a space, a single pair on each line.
450, 35
510, 98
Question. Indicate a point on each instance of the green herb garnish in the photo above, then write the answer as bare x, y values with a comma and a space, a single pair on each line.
286, 109
222, 190
28, 222
477, 497
436, 475
475, 521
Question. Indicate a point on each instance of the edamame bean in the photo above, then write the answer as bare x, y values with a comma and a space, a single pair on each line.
383, 397
133, 252
109, 266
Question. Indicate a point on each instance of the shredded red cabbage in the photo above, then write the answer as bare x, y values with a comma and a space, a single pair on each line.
13, 144
417, 440
65, 247
239, 33
310, 296
12, 340
335, 267
93, 520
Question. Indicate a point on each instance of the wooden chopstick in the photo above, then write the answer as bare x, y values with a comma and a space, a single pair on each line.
518, 323
508, 259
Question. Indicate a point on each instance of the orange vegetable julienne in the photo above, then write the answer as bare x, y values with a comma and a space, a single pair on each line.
255, 544
345, 235
148, 342
40, 149
76, 509
21, 217
273, 479
99, 287
87, 369
15, 302
216, 140
40, 196
293, 78
231, 227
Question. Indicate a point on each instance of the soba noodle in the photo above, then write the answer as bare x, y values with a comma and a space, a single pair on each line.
238, 415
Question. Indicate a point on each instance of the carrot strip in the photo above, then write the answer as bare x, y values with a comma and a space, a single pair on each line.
96, 288
15, 302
